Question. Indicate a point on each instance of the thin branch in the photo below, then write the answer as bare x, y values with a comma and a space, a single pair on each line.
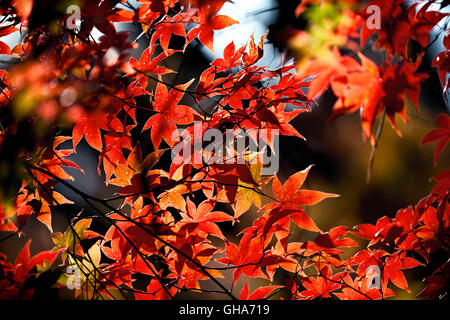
86, 197
374, 148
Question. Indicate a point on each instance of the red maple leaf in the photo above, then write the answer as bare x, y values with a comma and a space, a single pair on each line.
399, 80
359, 290
165, 29
441, 135
203, 219
258, 294
291, 194
147, 65
89, 125
230, 58
24, 263
169, 114
322, 285
208, 22
442, 62
248, 256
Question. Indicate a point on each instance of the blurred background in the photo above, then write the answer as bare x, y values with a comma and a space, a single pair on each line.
401, 171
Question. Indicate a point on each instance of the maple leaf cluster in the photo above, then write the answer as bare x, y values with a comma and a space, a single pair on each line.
168, 226
359, 84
